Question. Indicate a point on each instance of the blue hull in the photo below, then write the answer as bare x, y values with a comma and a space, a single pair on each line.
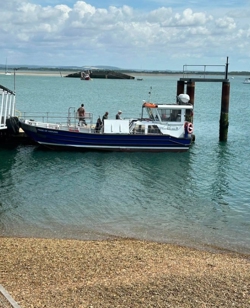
111, 142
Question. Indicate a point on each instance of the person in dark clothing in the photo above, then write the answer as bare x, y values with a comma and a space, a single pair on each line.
118, 116
98, 125
105, 117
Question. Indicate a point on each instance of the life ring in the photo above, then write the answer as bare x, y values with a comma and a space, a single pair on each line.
190, 128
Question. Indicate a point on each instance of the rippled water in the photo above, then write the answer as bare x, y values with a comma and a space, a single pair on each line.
199, 198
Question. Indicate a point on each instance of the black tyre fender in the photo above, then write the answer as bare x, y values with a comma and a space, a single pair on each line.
13, 125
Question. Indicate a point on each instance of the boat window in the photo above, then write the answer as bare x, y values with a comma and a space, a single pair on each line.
139, 129
153, 129
170, 115
152, 114
164, 114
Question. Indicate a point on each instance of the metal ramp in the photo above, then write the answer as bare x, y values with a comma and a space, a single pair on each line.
7, 106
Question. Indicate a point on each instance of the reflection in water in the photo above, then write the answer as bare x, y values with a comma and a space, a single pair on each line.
221, 186
7, 178
165, 197
106, 185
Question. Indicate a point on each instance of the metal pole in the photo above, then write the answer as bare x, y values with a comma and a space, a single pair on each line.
226, 69
14, 80
15, 69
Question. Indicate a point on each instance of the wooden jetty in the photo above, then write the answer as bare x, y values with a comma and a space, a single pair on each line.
189, 81
103, 74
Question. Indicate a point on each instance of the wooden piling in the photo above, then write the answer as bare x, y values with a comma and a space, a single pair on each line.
180, 87
224, 110
191, 90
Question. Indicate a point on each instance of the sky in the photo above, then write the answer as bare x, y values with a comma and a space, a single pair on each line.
129, 34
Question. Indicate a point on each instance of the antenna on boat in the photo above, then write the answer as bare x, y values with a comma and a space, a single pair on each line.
15, 69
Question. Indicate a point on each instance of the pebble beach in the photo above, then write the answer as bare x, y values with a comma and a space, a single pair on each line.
121, 273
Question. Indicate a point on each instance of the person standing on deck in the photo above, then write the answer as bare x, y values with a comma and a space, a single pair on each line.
81, 115
118, 116
105, 117
98, 125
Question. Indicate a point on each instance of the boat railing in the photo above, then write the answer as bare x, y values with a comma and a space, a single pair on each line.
204, 71
55, 117
73, 116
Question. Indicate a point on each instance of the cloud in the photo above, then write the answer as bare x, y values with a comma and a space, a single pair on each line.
227, 23
73, 35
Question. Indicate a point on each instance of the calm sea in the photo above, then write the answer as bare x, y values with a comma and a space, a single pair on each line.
200, 198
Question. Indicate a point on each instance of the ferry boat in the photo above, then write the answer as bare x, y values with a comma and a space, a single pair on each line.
161, 127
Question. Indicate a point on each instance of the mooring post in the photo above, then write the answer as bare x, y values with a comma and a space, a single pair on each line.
180, 87
224, 110
191, 90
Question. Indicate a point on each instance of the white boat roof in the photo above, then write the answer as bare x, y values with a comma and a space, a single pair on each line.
174, 106
167, 106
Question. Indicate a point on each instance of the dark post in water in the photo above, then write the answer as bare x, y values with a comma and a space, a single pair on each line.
224, 110
224, 106
180, 87
190, 91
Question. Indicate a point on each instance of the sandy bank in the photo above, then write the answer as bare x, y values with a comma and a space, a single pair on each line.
121, 273
38, 73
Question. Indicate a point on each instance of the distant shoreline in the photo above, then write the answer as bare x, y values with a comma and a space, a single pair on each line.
39, 73
64, 73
